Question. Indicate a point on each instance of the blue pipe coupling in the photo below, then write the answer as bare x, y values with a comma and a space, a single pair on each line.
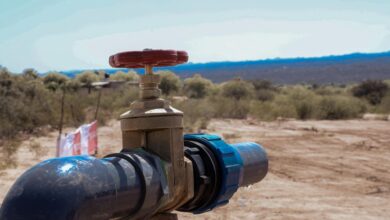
233, 165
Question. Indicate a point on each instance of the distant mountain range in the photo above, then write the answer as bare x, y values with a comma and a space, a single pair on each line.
328, 69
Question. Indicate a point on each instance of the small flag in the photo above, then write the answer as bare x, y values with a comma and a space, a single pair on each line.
89, 138
81, 142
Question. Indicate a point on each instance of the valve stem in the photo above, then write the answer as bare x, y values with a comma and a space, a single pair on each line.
149, 69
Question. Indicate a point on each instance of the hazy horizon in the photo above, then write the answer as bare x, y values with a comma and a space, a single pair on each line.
339, 56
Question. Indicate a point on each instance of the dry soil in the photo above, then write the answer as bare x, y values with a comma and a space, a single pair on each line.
318, 169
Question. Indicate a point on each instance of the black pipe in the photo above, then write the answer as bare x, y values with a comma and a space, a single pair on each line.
83, 187
131, 184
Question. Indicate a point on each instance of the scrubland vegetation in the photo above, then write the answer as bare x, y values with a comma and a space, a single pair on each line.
31, 104
262, 100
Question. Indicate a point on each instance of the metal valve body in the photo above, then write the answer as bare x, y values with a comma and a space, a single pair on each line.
158, 170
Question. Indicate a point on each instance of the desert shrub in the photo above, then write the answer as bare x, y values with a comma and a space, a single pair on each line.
197, 87
304, 101
86, 79
226, 107
197, 113
284, 107
101, 74
264, 95
74, 105
339, 107
263, 84
384, 107
237, 89
72, 85
30, 74
280, 106
24, 105
118, 101
329, 90
170, 83
28, 103
54, 81
372, 90
264, 90
120, 75
304, 109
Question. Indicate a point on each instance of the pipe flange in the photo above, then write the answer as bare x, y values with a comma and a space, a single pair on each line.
230, 166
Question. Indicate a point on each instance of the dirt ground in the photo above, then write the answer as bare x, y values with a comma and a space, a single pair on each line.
318, 169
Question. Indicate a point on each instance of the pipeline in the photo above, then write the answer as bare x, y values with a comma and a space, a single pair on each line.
84, 187
130, 185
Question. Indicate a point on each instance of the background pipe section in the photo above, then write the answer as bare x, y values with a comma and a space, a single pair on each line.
255, 162
83, 187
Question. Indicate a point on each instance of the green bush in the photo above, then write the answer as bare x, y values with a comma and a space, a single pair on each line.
54, 81
197, 87
338, 107
170, 82
263, 85
237, 89
122, 76
329, 90
264, 95
197, 113
304, 109
304, 101
118, 101
86, 79
280, 106
384, 107
30, 74
372, 90
24, 105
225, 107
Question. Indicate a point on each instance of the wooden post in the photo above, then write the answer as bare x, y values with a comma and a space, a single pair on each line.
61, 123
98, 102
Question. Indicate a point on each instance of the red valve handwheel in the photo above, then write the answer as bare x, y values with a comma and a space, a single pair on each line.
139, 59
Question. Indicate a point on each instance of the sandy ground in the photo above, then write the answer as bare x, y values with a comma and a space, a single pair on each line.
318, 169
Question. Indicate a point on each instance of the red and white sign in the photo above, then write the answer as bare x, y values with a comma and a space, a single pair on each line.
89, 138
81, 142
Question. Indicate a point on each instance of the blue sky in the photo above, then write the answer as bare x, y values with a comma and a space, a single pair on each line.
74, 34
